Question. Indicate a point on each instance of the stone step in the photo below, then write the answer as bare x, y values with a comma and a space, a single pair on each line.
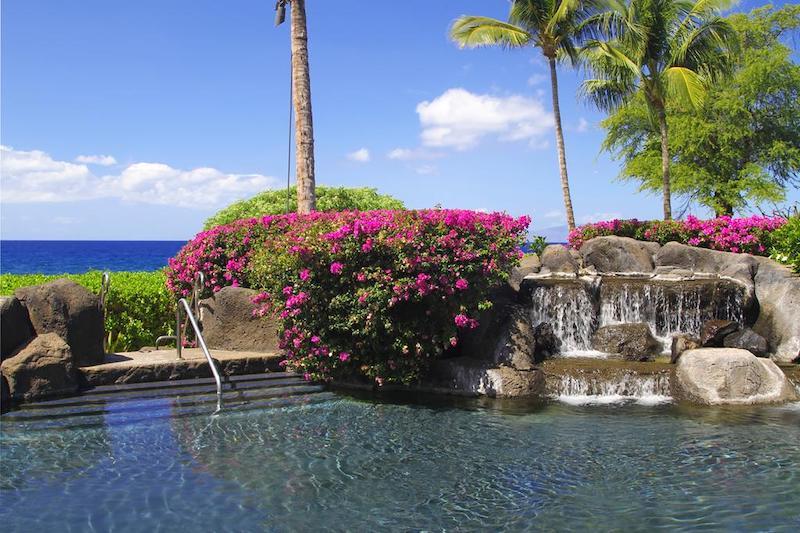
181, 383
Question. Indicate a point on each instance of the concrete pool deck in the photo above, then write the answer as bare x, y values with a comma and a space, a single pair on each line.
164, 365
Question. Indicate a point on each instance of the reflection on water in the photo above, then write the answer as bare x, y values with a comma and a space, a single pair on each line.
403, 462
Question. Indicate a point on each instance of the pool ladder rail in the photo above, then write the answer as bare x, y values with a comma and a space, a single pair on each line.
192, 310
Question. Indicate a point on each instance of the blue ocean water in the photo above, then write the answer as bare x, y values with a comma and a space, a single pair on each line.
75, 257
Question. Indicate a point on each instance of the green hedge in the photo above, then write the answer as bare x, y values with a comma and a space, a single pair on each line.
139, 307
328, 199
786, 243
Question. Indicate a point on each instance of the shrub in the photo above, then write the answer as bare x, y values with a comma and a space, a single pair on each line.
139, 307
536, 245
786, 243
328, 199
378, 294
742, 235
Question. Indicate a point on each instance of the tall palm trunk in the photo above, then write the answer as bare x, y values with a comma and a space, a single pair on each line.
301, 98
662, 125
562, 156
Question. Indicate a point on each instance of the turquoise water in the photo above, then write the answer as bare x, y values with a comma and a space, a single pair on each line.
346, 463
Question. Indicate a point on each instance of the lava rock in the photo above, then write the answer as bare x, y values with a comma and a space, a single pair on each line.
546, 343
529, 264
557, 258
619, 254
517, 340
713, 332
730, 376
228, 322
43, 368
466, 375
634, 341
70, 311
681, 343
778, 292
749, 340
15, 326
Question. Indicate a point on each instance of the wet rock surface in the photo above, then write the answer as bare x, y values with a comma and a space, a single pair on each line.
681, 343
634, 342
546, 343
749, 340
70, 311
43, 368
713, 332
730, 376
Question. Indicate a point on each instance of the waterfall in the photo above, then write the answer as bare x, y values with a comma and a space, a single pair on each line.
569, 307
591, 389
576, 308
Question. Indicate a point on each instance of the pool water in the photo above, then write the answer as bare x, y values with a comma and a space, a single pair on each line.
366, 464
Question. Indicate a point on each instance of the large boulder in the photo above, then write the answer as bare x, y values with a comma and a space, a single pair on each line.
713, 332
730, 376
15, 326
43, 368
749, 340
778, 292
557, 258
515, 347
70, 311
228, 322
465, 375
619, 254
529, 264
634, 342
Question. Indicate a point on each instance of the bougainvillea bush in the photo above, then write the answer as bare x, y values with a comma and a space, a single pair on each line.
742, 235
378, 294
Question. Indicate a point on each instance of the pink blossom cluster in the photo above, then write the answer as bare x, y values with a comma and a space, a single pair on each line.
739, 235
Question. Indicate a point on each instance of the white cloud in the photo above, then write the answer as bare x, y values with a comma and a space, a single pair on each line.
34, 176
583, 125
459, 119
102, 160
361, 155
408, 154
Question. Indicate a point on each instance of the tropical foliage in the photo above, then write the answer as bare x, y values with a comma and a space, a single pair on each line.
378, 294
549, 25
138, 309
660, 52
741, 146
751, 235
786, 243
327, 199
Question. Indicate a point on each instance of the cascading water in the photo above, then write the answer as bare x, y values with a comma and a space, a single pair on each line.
576, 308
589, 389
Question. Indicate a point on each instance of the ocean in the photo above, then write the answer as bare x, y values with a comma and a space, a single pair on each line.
76, 257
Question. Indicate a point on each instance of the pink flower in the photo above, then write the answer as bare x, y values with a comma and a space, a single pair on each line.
305, 274
462, 284
336, 268
344, 356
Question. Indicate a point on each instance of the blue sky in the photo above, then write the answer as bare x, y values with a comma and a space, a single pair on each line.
137, 120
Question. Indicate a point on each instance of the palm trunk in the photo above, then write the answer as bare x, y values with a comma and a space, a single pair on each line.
301, 98
662, 124
562, 156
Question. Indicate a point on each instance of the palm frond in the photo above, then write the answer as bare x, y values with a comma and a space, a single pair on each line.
472, 31
608, 94
686, 85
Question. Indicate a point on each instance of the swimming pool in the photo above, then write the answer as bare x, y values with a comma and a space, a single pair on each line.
326, 461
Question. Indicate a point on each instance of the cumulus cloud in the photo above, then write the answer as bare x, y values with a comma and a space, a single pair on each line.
583, 125
426, 170
408, 154
361, 155
102, 160
597, 217
460, 119
34, 176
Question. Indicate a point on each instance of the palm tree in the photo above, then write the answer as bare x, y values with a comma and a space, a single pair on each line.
301, 99
549, 25
664, 50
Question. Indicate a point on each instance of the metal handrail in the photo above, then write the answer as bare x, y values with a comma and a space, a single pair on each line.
202, 343
198, 284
